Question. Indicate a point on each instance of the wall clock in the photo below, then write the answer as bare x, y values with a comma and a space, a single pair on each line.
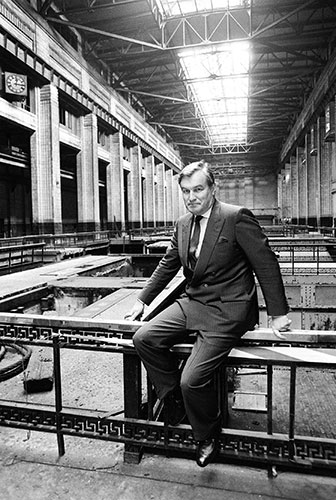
15, 83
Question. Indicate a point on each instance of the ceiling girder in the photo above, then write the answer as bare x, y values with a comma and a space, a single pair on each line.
93, 6
290, 40
107, 34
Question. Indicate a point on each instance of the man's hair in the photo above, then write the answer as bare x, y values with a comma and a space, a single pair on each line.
197, 166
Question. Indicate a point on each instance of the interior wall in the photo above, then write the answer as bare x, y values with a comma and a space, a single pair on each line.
255, 190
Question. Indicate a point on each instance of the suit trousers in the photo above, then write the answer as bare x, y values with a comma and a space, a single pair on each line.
153, 342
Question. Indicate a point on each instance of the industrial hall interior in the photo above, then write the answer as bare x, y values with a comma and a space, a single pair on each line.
103, 103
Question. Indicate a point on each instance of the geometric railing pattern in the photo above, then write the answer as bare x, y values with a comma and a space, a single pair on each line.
135, 429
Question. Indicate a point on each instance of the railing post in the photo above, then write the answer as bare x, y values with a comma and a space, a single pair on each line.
132, 400
269, 399
224, 394
292, 391
292, 258
58, 395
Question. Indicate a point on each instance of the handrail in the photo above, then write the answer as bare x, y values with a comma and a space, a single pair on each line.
17, 255
26, 246
114, 330
68, 239
137, 428
295, 247
75, 238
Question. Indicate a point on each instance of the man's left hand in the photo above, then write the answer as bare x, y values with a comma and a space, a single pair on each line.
280, 324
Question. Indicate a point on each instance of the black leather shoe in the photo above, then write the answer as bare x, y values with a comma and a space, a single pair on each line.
175, 410
206, 451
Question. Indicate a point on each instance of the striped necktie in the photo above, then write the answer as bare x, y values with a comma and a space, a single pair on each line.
194, 240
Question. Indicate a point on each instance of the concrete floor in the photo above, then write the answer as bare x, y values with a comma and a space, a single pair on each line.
31, 470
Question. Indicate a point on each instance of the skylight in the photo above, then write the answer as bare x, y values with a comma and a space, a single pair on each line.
218, 78
178, 7
217, 75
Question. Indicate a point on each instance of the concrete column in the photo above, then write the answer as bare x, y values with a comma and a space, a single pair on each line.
160, 195
115, 187
144, 192
170, 197
178, 201
88, 176
280, 196
287, 212
248, 186
311, 180
135, 199
45, 164
318, 166
241, 191
294, 189
232, 191
220, 189
284, 194
149, 205
333, 180
303, 180
326, 172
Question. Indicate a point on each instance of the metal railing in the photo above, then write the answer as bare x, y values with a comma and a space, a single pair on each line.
85, 238
139, 429
20, 256
291, 230
313, 252
59, 240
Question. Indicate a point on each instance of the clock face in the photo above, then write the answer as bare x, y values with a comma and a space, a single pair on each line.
16, 83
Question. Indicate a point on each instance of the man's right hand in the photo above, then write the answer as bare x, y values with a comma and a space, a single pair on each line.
136, 311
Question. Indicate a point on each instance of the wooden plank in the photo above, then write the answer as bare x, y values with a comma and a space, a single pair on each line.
120, 309
107, 303
96, 282
39, 375
22, 298
130, 327
287, 356
166, 296
292, 336
250, 401
120, 326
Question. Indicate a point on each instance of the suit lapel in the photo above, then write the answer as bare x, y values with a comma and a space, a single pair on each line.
214, 227
184, 239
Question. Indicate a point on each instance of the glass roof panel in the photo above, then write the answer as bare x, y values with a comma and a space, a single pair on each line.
218, 78
178, 7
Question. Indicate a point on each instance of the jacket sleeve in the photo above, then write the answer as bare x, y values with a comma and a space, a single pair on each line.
263, 261
165, 271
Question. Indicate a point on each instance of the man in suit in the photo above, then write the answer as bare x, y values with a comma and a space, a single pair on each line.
220, 252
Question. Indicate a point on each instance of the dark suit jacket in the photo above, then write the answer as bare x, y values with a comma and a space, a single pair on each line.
220, 295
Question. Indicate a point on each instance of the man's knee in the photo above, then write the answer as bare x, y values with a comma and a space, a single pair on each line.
193, 380
188, 381
140, 336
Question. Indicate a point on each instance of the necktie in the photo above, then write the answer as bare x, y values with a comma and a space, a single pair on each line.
194, 240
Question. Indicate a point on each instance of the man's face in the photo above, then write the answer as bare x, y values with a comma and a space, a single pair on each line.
197, 194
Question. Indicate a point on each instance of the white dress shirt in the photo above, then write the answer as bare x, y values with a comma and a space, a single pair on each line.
203, 226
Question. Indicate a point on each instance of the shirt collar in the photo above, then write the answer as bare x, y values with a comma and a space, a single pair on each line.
206, 215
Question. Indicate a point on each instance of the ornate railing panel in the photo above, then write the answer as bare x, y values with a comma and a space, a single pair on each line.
137, 429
